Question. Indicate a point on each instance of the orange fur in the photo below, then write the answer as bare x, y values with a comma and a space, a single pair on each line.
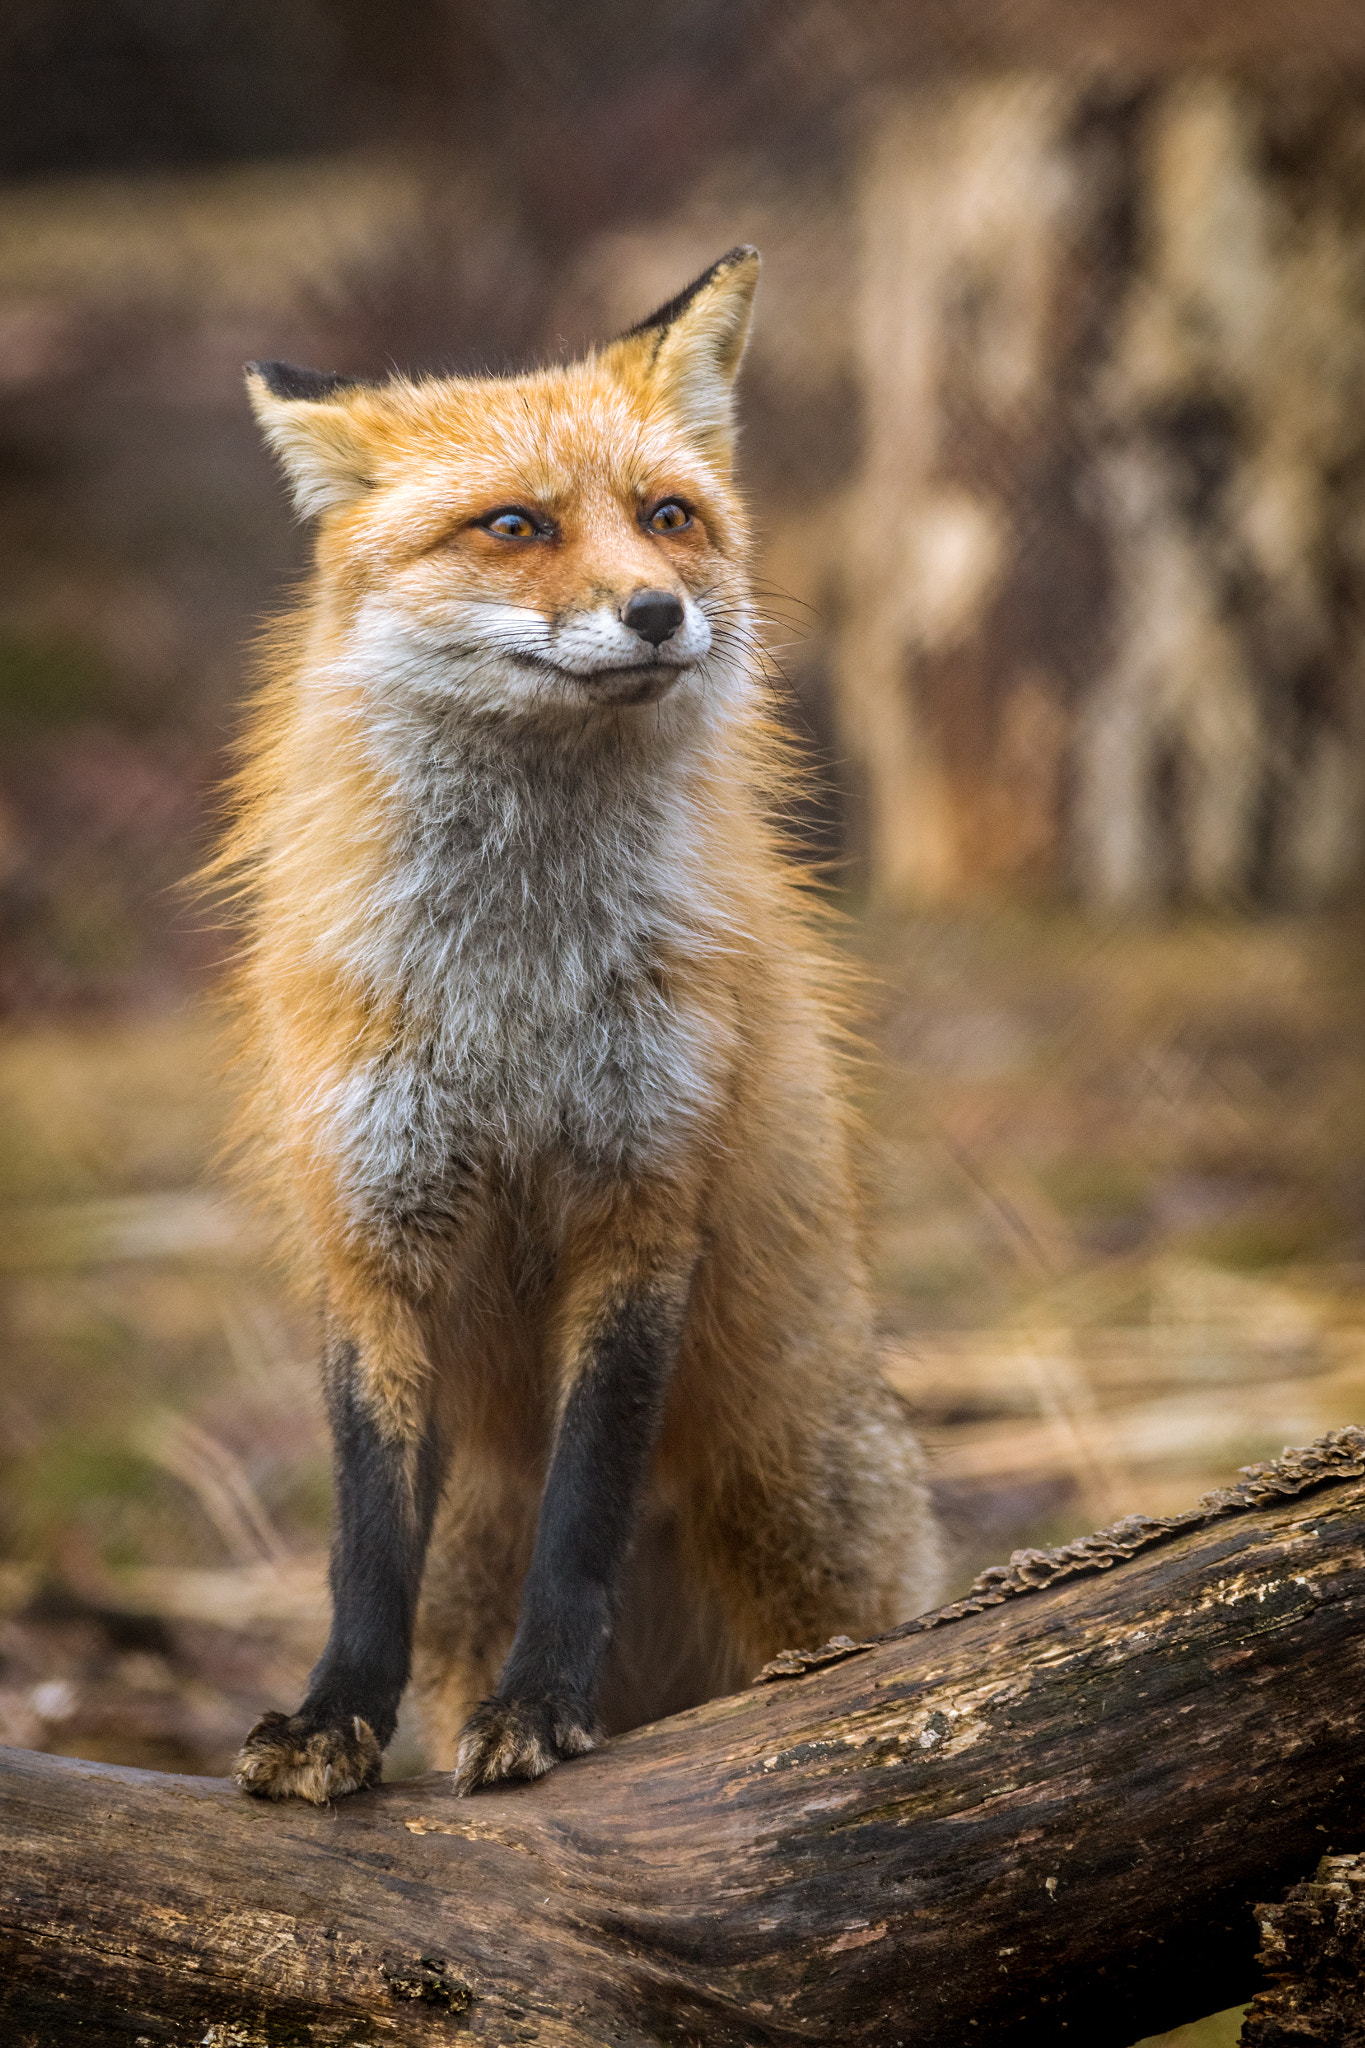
785, 1501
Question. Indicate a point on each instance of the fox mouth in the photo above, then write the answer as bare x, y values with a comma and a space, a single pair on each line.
638, 683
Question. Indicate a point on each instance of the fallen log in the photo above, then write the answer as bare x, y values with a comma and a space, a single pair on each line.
1043, 1812
1313, 1949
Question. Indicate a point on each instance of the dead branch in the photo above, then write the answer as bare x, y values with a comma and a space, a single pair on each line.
1048, 1807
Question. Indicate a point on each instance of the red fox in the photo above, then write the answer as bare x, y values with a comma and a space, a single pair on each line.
546, 1071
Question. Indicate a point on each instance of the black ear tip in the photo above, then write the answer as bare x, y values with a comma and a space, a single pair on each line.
743, 252
290, 380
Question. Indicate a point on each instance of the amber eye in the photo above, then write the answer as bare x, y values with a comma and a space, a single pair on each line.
670, 517
513, 524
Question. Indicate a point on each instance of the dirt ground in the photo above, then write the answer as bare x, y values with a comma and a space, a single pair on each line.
1119, 1181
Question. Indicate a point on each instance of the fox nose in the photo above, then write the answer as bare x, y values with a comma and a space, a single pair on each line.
654, 615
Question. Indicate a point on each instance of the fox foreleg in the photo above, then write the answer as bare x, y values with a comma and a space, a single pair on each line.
388, 1471
544, 1708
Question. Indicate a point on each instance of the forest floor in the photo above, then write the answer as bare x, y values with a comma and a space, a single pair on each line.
1119, 1175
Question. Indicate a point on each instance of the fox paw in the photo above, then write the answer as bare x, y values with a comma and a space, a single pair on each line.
517, 1739
288, 1756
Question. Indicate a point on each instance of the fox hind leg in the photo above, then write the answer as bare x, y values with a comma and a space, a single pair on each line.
838, 1537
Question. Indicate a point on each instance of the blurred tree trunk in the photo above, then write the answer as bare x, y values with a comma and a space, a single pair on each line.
1103, 620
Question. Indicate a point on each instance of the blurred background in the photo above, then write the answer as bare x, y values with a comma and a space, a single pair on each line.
1055, 436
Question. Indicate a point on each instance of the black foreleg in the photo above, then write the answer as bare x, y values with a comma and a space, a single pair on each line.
387, 1484
545, 1705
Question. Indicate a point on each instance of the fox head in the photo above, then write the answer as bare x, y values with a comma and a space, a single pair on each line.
554, 543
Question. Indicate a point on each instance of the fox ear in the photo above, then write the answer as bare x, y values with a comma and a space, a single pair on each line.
691, 349
316, 437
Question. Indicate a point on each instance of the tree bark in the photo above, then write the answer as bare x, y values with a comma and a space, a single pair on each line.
1313, 1947
1041, 1813
1105, 607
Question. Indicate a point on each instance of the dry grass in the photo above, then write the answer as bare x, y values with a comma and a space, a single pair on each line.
1121, 1253
164, 1481
1123, 1205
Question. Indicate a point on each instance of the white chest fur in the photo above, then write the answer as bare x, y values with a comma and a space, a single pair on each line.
538, 891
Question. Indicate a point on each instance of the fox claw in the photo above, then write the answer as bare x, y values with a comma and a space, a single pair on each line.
288, 1756
517, 1739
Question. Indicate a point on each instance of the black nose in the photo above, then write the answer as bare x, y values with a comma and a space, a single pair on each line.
654, 615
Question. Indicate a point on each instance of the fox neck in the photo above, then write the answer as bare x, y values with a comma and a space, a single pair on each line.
557, 851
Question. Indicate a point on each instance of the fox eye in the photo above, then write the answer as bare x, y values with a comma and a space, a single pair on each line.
513, 524
670, 517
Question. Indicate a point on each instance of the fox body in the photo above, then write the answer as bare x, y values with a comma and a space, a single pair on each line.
545, 1071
